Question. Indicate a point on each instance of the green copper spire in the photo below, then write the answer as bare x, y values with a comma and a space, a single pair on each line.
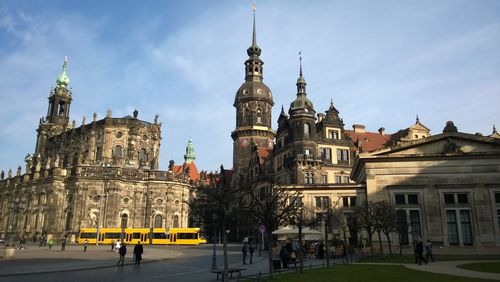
63, 79
190, 155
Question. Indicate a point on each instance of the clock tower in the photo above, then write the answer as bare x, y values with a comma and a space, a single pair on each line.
253, 103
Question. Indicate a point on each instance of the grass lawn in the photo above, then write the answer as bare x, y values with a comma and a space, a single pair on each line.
411, 259
363, 273
493, 267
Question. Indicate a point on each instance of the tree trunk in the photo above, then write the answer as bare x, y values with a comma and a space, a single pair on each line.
301, 251
370, 242
380, 242
389, 243
270, 255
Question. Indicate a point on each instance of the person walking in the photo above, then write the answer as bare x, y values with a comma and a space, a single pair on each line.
244, 250
50, 243
85, 245
112, 245
428, 251
284, 256
420, 250
22, 242
122, 251
138, 250
63, 243
251, 249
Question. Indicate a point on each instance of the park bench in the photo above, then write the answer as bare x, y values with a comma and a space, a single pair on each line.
229, 270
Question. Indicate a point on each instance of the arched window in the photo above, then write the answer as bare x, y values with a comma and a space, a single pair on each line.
158, 221
176, 221
117, 152
259, 116
306, 130
246, 116
142, 155
124, 221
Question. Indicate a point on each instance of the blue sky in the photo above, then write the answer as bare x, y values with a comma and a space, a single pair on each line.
382, 63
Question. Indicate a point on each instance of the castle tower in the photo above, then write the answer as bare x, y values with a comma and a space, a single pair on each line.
57, 118
253, 103
190, 155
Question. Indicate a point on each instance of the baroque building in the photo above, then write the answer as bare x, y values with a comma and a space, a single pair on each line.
447, 184
102, 173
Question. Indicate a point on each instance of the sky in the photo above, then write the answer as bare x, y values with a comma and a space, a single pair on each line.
380, 62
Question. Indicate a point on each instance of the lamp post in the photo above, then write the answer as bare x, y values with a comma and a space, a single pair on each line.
326, 217
214, 257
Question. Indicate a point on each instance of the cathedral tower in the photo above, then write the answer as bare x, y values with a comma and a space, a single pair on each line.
57, 118
253, 103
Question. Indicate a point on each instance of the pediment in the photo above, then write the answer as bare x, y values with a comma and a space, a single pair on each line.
444, 144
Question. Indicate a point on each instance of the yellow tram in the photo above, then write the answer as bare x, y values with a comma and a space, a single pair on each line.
155, 236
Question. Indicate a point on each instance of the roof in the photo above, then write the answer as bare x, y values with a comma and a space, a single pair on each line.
264, 154
192, 172
369, 141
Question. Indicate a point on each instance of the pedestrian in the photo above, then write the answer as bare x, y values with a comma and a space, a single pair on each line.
118, 245
321, 251
50, 243
428, 251
63, 243
112, 245
22, 242
40, 242
251, 249
122, 251
415, 250
420, 250
85, 245
284, 256
244, 250
138, 250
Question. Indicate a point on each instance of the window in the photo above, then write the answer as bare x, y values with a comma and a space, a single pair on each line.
307, 152
466, 227
142, 155
406, 199
306, 130
259, 116
497, 198
322, 201
326, 153
309, 178
415, 228
337, 178
323, 179
451, 220
158, 221
459, 227
456, 198
342, 155
124, 221
333, 134
346, 179
176, 221
349, 202
117, 152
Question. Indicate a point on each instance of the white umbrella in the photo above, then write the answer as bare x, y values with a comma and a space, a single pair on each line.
293, 230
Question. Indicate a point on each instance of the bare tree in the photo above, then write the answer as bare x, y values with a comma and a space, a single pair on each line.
366, 216
385, 216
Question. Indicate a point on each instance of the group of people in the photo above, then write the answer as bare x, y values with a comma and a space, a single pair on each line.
248, 248
42, 242
418, 247
121, 248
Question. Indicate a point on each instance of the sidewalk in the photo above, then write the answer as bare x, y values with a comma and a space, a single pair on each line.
34, 259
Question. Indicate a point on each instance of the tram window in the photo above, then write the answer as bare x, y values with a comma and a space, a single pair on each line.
112, 235
187, 235
136, 235
159, 235
88, 235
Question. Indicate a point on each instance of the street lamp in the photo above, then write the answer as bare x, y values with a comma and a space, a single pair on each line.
214, 257
326, 217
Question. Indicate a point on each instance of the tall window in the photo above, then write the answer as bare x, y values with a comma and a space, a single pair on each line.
342, 155
124, 221
259, 116
309, 178
451, 220
497, 204
306, 130
117, 152
322, 201
158, 221
333, 134
176, 221
324, 179
458, 218
142, 155
348, 202
326, 153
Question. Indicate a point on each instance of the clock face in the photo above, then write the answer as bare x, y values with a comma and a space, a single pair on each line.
259, 91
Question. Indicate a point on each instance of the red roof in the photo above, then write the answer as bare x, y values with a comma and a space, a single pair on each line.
264, 153
193, 170
369, 141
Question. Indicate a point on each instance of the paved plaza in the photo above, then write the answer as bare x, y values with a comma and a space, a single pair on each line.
172, 263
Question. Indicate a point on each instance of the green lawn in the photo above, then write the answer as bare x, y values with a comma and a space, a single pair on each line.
493, 267
411, 259
363, 273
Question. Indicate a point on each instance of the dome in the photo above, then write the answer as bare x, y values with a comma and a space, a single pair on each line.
301, 102
254, 90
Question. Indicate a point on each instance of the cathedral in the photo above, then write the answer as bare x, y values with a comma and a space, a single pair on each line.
448, 184
103, 173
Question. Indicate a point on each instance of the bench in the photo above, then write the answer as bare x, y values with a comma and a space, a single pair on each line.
229, 270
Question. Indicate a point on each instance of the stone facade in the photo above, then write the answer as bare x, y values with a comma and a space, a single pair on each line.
104, 173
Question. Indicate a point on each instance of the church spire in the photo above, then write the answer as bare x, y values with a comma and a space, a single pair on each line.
301, 81
63, 79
